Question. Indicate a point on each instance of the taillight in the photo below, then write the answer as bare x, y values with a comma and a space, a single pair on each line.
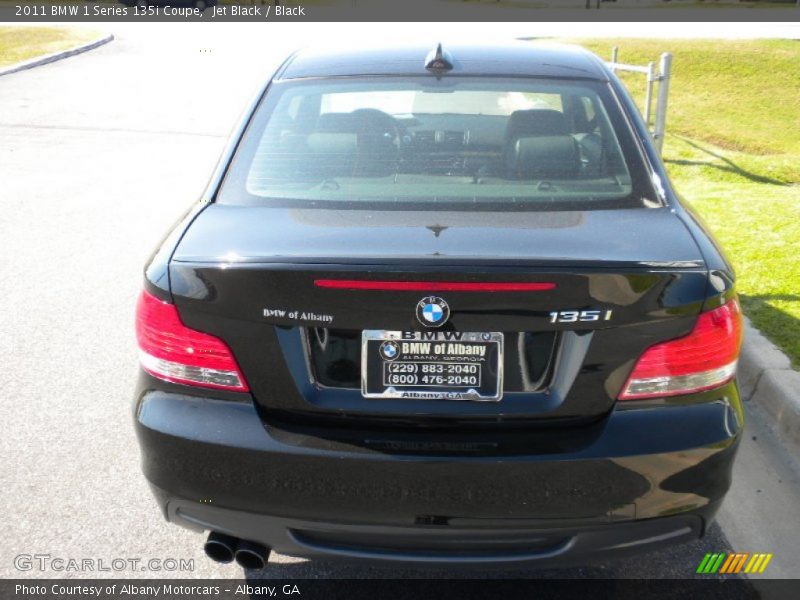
702, 360
173, 352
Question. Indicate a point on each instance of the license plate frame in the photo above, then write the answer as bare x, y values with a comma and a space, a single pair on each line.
481, 384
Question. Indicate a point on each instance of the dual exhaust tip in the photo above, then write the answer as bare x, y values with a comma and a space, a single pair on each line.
223, 548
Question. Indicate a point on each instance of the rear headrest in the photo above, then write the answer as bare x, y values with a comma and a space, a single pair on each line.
363, 121
546, 156
338, 123
545, 121
332, 143
352, 144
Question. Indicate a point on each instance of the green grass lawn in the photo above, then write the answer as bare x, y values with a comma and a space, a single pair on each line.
733, 151
759, 226
736, 94
18, 44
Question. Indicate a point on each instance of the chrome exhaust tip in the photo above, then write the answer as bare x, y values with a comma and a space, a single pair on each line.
251, 555
220, 547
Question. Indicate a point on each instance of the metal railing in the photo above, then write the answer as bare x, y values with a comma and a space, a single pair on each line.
662, 77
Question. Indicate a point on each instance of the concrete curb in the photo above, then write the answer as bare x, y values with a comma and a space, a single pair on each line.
766, 378
48, 58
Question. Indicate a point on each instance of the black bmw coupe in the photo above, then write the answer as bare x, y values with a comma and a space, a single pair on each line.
439, 305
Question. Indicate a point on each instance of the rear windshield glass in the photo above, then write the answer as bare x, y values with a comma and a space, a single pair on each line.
385, 142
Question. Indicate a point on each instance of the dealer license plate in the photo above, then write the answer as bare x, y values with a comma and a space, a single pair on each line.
432, 365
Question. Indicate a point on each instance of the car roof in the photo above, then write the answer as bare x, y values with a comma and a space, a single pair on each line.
517, 58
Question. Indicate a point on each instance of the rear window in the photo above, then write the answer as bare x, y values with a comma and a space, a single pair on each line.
438, 143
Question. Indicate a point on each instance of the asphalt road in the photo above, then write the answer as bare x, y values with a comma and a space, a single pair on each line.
99, 154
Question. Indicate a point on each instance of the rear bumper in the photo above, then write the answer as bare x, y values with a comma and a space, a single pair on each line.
443, 545
642, 478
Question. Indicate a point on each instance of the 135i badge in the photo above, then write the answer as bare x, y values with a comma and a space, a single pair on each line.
574, 316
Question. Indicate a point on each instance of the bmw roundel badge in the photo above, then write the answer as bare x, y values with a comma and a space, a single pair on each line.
389, 350
432, 311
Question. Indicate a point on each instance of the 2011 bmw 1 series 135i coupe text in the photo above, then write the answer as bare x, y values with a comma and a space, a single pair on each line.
439, 305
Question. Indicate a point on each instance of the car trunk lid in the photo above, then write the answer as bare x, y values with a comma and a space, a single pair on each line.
252, 275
